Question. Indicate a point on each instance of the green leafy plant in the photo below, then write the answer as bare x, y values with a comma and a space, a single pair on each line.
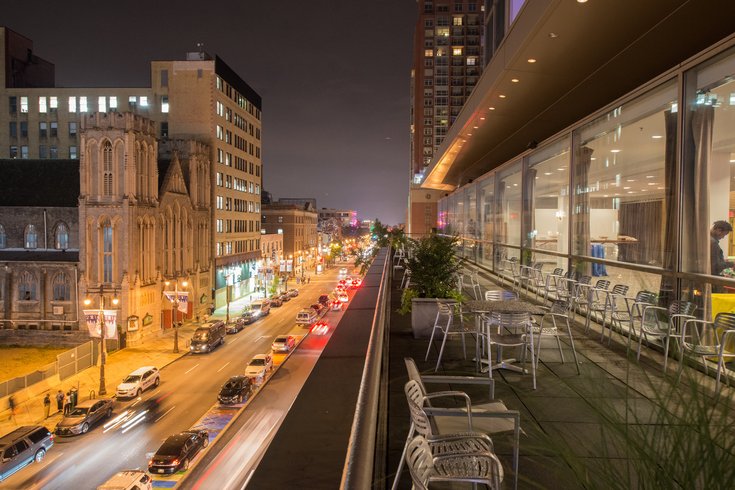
434, 265
273, 286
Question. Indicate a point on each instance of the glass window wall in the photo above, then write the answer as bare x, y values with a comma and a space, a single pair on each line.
486, 196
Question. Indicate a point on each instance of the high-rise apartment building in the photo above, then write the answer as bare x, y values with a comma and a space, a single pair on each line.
447, 63
199, 98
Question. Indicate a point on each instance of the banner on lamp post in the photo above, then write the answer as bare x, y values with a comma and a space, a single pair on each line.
183, 299
93, 323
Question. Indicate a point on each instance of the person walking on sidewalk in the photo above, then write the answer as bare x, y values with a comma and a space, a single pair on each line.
11, 406
60, 401
46, 405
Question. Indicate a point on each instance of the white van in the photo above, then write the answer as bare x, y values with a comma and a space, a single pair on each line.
128, 480
307, 316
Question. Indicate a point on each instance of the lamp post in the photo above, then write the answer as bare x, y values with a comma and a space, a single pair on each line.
227, 295
103, 345
174, 311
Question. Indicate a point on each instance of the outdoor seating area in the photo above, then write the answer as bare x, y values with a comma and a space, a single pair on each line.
527, 379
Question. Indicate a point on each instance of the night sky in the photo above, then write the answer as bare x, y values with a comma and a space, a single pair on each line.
333, 74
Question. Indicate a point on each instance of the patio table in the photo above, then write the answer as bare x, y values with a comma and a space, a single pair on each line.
480, 307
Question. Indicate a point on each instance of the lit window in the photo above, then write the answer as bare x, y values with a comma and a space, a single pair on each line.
428, 53
471, 61
132, 100
113, 102
457, 51
30, 237
72, 104
220, 132
72, 129
73, 152
107, 252
42, 107
143, 101
102, 103
24, 104
164, 104
457, 21
24, 151
83, 104
61, 237
53, 103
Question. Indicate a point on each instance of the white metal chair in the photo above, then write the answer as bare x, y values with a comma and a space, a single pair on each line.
614, 302
549, 326
474, 467
664, 324
448, 322
634, 311
709, 339
512, 330
500, 295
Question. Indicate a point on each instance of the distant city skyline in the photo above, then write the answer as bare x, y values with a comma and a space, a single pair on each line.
335, 94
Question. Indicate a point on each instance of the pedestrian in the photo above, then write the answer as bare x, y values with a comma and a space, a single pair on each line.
11, 406
46, 405
67, 404
59, 401
308, 280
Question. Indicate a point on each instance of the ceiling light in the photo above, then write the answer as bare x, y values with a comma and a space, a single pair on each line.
514, 80
659, 188
501, 96
657, 136
531, 60
649, 176
593, 158
515, 185
732, 160
482, 119
631, 192
652, 183
547, 173
581, 1
469, 134
560, 169
475, 127
615, 151
553, 35
491, 108
605, 195
630, 180
626, 188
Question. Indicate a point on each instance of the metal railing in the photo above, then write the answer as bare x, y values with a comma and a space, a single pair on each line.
360, 463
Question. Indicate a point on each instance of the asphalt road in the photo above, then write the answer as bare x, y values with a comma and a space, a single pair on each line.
189, 387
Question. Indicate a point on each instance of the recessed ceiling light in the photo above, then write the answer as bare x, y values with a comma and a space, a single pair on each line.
649, 176
615, 151
581, 1
652, 183
630, 180
491, 108
631, 192
605, 195
657, 136
475, 127
732, 160
617, 194
515, 185
593, 158
659, 188
531, 60
626, 188
514, 80
501, 96
482, 119
469, 134
553, 35
560, 169
547, 173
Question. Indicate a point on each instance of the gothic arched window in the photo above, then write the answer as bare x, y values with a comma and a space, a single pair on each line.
107, 252
61, 237
107, 168
30, 237
62, 289
27, 287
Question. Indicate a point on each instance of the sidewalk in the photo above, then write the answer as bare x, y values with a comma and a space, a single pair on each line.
156, 350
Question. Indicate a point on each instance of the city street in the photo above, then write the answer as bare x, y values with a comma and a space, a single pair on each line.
188, 388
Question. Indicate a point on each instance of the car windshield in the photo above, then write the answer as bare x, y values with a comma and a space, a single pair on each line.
201, 335
230, 385
256, 307
133, 378
78, 412
280, 339
172, 447
257, 362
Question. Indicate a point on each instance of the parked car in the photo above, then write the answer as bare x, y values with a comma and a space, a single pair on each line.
283, 343
248, 317
258, 366
22, 447
285, 297
138, 381
343, 282
320, 328
293, 292
236, 325
208, 336
340, 287
260, 307
318, 307
235, 390
354, 283
275, 301
336, 305
343, 297
128, 480
306, 316
83, 416
343, 271
177, 451
324, 299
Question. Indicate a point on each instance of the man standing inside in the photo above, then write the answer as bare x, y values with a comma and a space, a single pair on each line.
720, 230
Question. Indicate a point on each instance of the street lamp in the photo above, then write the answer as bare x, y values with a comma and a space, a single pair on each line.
227, 294
103, 345
175, 309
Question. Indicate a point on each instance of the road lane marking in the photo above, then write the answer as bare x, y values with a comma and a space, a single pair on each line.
220, 369
192, 369
167, 411
233, 340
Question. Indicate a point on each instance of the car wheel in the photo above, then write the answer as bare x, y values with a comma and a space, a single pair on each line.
109, 413
157, 382
139, 392
205, 442
239, 399
85, 427
185, 465
40, 454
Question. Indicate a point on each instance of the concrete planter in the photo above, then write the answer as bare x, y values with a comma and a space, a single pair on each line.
423, 315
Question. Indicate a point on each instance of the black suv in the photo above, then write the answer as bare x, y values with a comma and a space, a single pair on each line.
22, 447
324, 299
236, 390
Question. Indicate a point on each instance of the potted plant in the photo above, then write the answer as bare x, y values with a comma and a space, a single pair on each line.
434, 265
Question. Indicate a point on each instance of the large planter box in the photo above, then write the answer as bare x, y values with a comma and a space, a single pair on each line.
423, 315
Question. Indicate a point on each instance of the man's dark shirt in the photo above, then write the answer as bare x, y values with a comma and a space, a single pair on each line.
717, 257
